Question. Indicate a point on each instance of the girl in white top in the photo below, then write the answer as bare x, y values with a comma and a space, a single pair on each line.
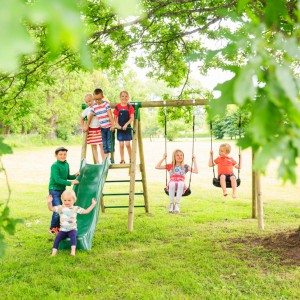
94, 136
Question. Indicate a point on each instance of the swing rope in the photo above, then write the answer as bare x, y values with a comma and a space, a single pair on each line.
239, 126
165, 115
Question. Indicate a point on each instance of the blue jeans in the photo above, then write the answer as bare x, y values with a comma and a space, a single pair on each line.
106, 139
56, 195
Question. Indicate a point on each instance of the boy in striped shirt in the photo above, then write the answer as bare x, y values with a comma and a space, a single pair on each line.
102, 110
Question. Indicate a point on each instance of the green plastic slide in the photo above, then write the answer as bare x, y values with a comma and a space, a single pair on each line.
91, 183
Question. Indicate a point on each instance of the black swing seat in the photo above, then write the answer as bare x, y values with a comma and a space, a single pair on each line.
216, 182
186, 193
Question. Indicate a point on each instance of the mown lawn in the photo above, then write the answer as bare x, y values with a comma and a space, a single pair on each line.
194, 255
211, 250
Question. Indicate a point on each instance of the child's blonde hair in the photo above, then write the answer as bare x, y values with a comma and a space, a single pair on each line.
87, 96
69, 192
125, 92
174, 160
226, 146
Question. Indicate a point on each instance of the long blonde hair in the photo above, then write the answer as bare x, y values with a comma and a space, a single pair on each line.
174, 160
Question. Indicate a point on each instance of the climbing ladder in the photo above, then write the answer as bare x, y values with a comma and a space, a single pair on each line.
137, 146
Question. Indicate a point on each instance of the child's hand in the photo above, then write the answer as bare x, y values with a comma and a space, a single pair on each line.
165, 155
124, 127
112, 128
75, 181
211, 152
94, 201
85, 129
193, 157
77, 174
49, 198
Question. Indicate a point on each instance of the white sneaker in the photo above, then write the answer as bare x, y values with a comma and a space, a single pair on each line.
171, 209
176, 209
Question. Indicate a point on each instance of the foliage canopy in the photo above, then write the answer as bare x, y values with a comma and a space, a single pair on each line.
256, 41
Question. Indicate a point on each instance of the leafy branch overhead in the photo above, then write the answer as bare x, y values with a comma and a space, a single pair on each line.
257, 42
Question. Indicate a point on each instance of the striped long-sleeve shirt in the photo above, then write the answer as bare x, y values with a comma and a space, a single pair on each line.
101, 113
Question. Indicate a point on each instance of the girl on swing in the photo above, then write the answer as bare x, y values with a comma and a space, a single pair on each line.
177, 170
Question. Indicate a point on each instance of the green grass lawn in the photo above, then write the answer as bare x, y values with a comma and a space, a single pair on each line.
193, 255
211, 250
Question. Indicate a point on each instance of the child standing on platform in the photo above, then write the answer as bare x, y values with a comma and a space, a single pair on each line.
124, 115
94, 136
59, 178
177, 170
102, 110
68, 218
225, 168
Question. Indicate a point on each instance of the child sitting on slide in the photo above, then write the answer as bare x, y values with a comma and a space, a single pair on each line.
68, 218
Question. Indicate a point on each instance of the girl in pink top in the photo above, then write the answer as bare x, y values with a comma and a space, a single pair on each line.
177, 170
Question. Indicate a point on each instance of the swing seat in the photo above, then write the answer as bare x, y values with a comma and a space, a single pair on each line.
216, 182
186, 193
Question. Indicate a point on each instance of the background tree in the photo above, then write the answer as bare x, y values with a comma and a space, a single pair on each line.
256, 41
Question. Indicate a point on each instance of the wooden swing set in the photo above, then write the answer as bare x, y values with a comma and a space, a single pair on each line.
137, 147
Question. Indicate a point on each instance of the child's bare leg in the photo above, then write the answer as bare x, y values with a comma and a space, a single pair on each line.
102, 152
121, 150
128, 146
223, 184
233, 185
73, 250
54, 251
95, 154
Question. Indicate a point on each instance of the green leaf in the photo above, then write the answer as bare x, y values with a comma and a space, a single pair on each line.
286, 80
242, 4
14, 38
4, 148
64, 26
291, 46
243, 87
219, 105
274, 11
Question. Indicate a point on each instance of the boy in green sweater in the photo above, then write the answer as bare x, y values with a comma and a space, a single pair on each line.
59, 178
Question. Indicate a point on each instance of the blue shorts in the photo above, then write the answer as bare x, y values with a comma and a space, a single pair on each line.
124, 135
227, 177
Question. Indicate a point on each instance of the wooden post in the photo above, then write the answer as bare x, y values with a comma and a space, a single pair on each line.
143, 168
260, 208
84, 144
102, 204
132, 174
254, 196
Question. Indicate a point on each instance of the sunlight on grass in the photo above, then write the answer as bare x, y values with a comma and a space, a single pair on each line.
197, 254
